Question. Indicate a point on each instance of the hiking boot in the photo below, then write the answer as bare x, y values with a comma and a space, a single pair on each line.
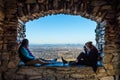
64, 61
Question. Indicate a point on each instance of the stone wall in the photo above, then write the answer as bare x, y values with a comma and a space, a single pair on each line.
2, 16
112, 45
11, 10
118, 43
21, 29
57, 73
8, 35
100, 33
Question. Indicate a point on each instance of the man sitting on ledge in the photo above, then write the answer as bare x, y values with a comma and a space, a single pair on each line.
27, 57
89, 57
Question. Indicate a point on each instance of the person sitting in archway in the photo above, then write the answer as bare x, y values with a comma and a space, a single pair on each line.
89, 57
28, 58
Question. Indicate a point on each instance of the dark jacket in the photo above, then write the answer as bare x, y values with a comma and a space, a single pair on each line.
25, 54
92, 56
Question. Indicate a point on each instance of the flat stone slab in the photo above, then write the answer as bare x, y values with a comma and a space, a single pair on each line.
56, 64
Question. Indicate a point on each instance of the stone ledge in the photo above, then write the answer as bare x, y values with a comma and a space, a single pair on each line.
80, 70
52, 73
56, 73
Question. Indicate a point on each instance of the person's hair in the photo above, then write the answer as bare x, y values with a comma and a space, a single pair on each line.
24, 42
89, 44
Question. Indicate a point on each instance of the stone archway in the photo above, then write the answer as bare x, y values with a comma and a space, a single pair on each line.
25, 10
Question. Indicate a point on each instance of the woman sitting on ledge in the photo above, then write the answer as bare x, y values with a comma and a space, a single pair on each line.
89, 57
28, 58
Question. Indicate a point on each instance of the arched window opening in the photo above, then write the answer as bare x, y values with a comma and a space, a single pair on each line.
60, 35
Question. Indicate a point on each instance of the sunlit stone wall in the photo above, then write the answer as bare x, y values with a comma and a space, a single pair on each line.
1, 34
8, 40
8, 35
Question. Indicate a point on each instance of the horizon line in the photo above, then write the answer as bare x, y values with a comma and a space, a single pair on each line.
53, 43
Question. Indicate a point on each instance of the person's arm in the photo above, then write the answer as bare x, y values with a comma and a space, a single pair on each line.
93, 54
26, 53
85, 49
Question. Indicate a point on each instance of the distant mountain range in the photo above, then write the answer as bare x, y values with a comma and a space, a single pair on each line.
57, 45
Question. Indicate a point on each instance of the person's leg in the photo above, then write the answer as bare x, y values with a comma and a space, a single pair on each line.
82, 59
32, 62
94, 64
64, 61
94, 67
81, 62
71, 63
41, 61
48, 61
80, 56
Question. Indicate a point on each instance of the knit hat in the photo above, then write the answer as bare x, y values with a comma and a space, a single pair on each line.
89, 42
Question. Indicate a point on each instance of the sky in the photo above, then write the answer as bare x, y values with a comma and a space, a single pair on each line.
60, 29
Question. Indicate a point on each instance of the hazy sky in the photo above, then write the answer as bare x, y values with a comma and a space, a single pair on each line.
60, 28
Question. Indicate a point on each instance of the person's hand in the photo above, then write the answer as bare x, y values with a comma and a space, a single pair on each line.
76, 60
99, 58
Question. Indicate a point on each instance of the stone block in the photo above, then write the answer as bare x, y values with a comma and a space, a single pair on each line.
115, 58
117, 71
18, 77
28, 71
65, 69
101, 70
1, 46
77, 76
30, 1
36, 77
99, 75
11, 65
50, 71
5, 56
106, 7
116, 65
107, 58
1, 3
108, 66
1, 30
118, 17
97, 3
111, 72
50, 77
4, 46
2, 16
107, 78
0, 76
59, 75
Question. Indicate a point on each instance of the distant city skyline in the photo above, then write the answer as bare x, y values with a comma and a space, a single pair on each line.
61, 29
